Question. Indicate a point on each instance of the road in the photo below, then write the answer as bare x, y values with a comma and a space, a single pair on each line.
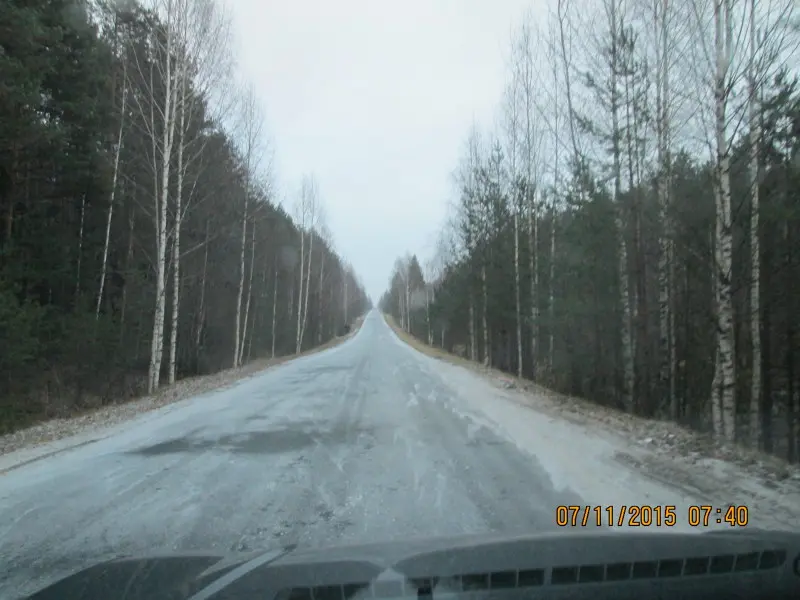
362, 442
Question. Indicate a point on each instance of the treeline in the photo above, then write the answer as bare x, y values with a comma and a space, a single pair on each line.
596, 248
141, 239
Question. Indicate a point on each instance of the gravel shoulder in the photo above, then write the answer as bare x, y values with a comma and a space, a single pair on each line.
50, 437
662, 451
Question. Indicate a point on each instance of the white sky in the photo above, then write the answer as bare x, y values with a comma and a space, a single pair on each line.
375, 98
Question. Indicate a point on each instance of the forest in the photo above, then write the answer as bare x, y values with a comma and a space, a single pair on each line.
627, 230
144, 236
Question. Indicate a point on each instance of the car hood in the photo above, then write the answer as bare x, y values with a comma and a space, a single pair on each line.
573, 562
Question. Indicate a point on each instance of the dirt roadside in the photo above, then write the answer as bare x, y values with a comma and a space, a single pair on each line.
59, 429
660, 450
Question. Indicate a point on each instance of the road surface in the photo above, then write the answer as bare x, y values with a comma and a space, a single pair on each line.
362, 442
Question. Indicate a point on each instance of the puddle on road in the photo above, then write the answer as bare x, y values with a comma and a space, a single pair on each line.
269, 441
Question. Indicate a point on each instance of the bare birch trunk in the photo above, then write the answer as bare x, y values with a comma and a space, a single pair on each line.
716, 401
320, 307
307, 287
487, 357
176, 291
274, 307
551, 303
473, 351
162, 197
516, 292
755, 257
176, 246
531, 189
636, 291
723, 41
400, 303
408, 304
251, 119
428, 315
533, 264
717, 423
345, 299
553, 201
240, 293
298, 332
249, 290
404, 309
113, 192
622, 257
673, 361
520, 55
666, 318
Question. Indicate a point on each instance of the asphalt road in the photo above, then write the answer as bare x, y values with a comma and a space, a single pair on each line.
357, 443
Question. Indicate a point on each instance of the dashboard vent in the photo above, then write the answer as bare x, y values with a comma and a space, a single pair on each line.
700, 565
560, 575
328, 592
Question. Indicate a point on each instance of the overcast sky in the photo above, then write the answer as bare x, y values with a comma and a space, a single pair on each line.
375, 99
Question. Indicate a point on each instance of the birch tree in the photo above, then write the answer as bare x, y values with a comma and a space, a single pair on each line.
723, 73
549, 113
345, 280
325, 238
662, 25
511, 126
616, 27
431, 274
274, 306
249, 290
205, 63
530, 145
469, 222
251, 127
306, 210
122, 57
156, 102
612, 48
755, 251
176, 232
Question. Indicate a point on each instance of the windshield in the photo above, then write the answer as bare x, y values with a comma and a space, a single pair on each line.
310, 274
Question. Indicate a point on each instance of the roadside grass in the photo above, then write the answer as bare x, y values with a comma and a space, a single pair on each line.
433, 351
455, 359
261, 364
